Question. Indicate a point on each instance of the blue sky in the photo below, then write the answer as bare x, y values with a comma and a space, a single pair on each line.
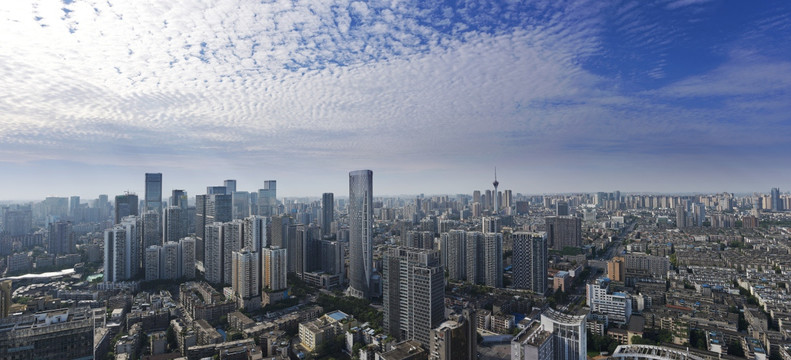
561, 96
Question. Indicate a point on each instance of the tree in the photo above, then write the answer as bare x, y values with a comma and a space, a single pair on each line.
171, 337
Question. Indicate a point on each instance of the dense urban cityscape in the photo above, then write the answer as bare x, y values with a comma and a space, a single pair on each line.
492, 274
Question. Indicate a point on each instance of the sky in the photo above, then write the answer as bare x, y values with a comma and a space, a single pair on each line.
559, 96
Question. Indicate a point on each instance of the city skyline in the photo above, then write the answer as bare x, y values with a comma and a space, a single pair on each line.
667, 95
138, 188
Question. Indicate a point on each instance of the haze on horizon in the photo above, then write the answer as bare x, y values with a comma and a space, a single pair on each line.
658, 96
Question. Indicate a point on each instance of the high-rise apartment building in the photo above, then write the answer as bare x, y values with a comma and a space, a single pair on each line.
151, 260
187, 257
170, 261
232, 239
246, 278
681, 216
121, 251
153, 196
274, 268
278, 229
150, 228
360, 233
213, 257
413, 293
564, 231
569, 338
474, 267
61, 238
493, 260
254, 238
456, 338
327, 213
490, 224
454, 246
530, 261
175, 223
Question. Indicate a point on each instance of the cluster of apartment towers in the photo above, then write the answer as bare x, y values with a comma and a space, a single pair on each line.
239, 252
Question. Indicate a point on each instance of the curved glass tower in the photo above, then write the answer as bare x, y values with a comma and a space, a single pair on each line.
360, 233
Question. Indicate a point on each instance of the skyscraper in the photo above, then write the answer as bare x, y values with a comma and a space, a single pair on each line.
153, 198
254, 238
561, 208
360, 233
121, 251
74, 205
493, 260
681, 216
474, 264
530, 261
456, 338
179, 198
170, 262
61, 238
175, 223
327, 213
564, 231
187, 257
454, 244
241, 204
150, 229
413, 293
776, 204
490, 224
569, 339
230, 186
213, 259
125, 205
151, 259
245, 279
232, 238
267, 199
274, 268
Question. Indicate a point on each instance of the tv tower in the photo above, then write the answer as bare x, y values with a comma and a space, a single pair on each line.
495, 195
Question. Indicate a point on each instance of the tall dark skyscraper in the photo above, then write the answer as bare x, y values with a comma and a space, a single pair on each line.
153, 196
179, 198
360, 232
327, 213
776, 204
561, 208
61, 238
125, 205
564, 231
